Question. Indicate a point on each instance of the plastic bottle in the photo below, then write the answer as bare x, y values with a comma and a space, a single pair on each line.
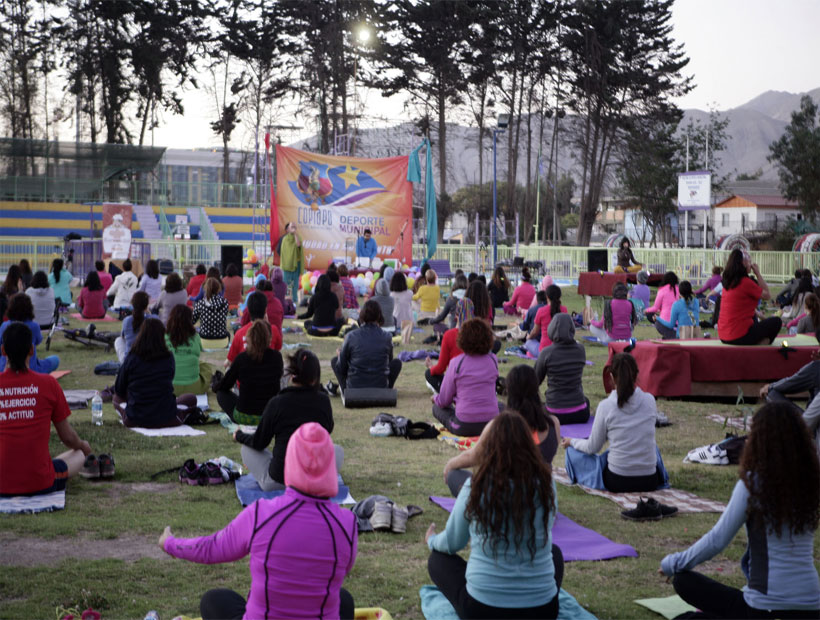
96, 410
152, 615
228, 464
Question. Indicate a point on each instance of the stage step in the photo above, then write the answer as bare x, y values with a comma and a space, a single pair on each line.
148, 221
203, 222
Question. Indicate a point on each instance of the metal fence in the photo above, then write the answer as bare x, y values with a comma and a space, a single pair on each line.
559, 262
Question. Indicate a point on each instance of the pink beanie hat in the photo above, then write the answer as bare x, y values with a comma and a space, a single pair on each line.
547, 281
310, 461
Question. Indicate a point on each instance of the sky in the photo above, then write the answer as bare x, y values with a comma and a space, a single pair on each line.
738, 49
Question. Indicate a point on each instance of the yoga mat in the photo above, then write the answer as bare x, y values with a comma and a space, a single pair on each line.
578, 431
171, 431
371, 613
248, 491
106, 319
683, 500
59, 374
576, 542
35, 503
435, 606
669, 607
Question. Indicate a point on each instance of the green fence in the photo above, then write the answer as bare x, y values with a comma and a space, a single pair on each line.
559, 262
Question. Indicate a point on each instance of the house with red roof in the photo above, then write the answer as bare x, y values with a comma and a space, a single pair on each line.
750, 212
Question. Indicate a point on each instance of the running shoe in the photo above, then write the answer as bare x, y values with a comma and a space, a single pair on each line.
91, 468
191, 473
644, 511
106, 462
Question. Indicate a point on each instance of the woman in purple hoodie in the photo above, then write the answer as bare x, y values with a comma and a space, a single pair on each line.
280, 288
301, 544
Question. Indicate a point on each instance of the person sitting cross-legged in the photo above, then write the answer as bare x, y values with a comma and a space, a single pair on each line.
366, 357
301, 544
256, 311
33, 401
301, 402
20, 309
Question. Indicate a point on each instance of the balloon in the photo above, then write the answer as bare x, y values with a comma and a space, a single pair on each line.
360, 276
251, 253
376, 276
410, 282
405, 266
372, 284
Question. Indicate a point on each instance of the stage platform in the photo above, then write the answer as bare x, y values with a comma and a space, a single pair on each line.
707, 367
599, 284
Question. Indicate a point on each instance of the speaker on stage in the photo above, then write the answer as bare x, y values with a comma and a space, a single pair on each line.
597, 260
231, 254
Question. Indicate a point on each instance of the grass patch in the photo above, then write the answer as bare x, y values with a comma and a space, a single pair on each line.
390, 568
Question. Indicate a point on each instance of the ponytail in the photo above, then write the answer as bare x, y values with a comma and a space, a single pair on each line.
139, 304
685, 289
554, 296
624, 370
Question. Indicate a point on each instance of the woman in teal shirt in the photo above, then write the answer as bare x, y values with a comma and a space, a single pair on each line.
191, 375
59, 280
505, 511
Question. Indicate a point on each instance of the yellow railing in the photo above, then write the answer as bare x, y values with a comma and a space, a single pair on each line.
559, 262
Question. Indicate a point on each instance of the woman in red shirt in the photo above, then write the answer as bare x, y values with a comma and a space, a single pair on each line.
449, 346
737, 323
544, 316
92, 302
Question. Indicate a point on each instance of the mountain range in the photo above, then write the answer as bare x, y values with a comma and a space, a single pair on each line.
752, 127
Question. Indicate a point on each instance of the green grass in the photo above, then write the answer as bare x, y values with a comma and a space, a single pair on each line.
389, 569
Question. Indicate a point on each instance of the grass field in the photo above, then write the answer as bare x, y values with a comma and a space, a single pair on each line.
102, 550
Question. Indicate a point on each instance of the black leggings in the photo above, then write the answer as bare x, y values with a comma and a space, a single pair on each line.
631, 484
576, 417
716, 600
765, 329
224, 604
310, 328
448, 572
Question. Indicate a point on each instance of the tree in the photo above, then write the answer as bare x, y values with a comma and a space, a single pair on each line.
797, 155
705, 142
621, 63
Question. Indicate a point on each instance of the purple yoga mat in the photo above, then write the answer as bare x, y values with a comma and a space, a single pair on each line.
576, 542
578, 431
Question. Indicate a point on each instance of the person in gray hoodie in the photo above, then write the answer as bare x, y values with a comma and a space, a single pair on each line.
42, 299
562, 363
382, 297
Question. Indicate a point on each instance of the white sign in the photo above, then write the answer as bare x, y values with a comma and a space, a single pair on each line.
180, 219
695, 190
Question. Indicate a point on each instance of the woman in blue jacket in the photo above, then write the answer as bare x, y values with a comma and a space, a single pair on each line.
685, 312
777, 499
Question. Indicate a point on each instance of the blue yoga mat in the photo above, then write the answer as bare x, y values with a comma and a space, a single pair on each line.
248, 491
576, 542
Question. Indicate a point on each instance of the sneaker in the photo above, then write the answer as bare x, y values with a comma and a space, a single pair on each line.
191, 473
644, 511
331, 388
91, 468
399, 426
666, 511
382, 516
381, 429
398, 524
662, 420
212, 473
106, 462
713, 454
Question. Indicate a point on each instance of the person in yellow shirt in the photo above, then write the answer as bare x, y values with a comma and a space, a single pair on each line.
428, 296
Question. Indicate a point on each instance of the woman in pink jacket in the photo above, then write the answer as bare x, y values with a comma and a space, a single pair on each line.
301, 544
522, 295
667, 295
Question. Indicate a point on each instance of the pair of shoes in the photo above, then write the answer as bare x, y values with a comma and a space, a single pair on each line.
95, 468
389, 517
649, 510
200, 475
331, 388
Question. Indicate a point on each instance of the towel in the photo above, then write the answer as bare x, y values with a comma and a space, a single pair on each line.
48, 502
669, 606
171, 431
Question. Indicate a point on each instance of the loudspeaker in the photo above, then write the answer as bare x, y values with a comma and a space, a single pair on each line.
231, 254
597, 260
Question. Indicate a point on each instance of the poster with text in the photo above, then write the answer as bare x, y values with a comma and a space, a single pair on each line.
332, 199
116, 233
695, 190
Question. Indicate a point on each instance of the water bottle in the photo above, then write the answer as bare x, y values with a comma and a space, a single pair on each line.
152, 615
96, 409
228, 464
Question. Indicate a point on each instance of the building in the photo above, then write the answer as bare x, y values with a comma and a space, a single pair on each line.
747, 213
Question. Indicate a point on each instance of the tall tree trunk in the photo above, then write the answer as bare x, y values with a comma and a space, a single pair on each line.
442, 139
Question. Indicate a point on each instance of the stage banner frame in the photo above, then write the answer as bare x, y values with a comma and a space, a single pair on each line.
117, 220
694, 190
333, 199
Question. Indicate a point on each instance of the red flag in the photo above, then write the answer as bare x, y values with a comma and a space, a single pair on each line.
274, 210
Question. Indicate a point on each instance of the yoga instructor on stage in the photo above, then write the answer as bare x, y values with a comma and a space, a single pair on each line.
366, 247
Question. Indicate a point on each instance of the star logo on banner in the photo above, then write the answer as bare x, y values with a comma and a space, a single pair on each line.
350, 176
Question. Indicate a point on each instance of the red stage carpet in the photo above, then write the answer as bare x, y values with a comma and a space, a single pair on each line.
600, 284
707, 367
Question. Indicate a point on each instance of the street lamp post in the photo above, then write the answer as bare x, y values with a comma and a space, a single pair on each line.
503, 121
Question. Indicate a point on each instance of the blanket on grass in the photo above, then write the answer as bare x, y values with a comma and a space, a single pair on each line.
462, 443
48, 502
576, 542
248, 491
172, 431
683, 500
435, 606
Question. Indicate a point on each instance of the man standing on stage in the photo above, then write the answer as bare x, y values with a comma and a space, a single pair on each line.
290, 252
366, 247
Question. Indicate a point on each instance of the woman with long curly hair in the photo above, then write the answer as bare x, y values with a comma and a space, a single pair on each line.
505, 511
778, 500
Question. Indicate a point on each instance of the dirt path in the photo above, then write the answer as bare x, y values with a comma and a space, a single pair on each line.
37, 551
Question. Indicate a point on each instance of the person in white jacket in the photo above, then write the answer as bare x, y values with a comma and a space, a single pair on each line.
125, 285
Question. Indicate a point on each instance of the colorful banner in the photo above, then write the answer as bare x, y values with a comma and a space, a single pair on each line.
116, 233
333, 199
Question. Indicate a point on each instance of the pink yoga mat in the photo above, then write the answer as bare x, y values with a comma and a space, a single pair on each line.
106, 318
576, 542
